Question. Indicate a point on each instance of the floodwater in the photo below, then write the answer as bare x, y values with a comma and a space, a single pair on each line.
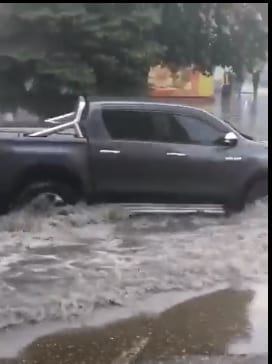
143, 290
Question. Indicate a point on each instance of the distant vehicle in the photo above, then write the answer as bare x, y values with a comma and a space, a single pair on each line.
133, 151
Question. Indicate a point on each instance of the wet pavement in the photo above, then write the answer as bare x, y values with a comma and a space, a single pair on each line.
160, 289
221, 326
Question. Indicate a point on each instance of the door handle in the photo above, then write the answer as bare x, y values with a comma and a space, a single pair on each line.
176, 154
109, 151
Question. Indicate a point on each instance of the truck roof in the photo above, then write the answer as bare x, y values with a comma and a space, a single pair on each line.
140, 102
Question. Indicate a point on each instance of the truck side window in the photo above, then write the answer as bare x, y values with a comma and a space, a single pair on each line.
167, 128
128, 125
144, 126
199, 131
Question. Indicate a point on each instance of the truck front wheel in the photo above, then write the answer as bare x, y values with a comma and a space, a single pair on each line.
257, 190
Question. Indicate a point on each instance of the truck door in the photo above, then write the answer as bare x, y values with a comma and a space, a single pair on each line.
128, 162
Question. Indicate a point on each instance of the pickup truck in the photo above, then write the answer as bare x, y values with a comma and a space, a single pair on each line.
133, 151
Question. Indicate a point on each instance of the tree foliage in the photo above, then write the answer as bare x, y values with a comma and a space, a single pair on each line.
214, 34
247, 46
78, 47
102, 48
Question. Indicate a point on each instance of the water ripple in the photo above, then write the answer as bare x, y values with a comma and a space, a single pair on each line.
62, 264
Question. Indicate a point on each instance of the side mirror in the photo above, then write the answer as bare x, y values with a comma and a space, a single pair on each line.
230, 139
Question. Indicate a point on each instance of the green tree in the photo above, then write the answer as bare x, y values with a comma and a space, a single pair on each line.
249, 39
188, 32
50, 49
79, 47
212, 34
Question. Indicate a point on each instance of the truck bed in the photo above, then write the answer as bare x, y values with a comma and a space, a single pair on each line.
21, 132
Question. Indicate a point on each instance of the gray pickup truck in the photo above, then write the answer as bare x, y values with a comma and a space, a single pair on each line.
133, 151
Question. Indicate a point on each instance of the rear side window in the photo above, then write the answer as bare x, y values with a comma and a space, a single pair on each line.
128, 125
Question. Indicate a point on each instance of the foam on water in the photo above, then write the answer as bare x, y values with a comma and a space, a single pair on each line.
63, 263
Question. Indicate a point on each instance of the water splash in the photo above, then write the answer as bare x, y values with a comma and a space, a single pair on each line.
63, 263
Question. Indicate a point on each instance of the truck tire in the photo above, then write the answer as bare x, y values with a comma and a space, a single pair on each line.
68, 194
257, 190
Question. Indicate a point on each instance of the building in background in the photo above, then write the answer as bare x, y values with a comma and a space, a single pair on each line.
185, 82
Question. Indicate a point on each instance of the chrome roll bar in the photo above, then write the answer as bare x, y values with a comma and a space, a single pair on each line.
58, 119
70, 124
